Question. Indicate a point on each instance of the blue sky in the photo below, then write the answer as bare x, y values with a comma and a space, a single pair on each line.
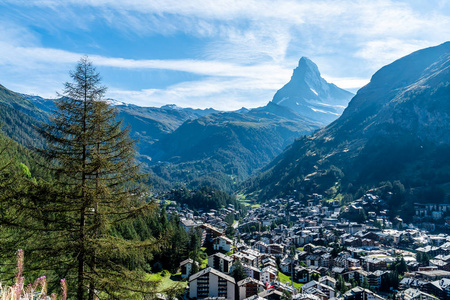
220, 54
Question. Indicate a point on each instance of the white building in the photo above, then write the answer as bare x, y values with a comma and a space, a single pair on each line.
211, 283
186, 267
222, 243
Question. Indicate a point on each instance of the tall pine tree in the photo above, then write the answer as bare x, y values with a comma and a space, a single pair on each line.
98, 180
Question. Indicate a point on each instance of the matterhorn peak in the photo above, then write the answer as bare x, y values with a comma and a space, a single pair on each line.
306, 70
311, 96
306, 63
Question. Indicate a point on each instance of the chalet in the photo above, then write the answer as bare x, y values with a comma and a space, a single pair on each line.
305, 297
268, 274
222, 243
282, 287
188, 224
432, 250
415, 294
326, 260
373, 264
413, 283
301, 275
335, 271
433, 275
186, 267
353, 274
246, 259
249, 287
372, 236
353, 262
221, 262
210, 233
254, 253
211, 283
440, 264
327, 280
358, 293
252, 272
439, 288
275, 249
286, 265
271, 294
313, 260
310, 287
374, 278
342, 261
269, 261
353, 241
261, 247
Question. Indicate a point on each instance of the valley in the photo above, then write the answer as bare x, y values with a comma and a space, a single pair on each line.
297, 199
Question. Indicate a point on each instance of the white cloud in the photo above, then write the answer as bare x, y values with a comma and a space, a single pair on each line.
382, 52
347, 83
32, 56
228, 86
249, 47
228, 94
253, 28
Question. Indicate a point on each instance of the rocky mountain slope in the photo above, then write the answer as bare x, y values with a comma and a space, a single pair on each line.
395, 128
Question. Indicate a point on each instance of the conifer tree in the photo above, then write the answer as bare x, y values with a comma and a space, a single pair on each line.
98, 179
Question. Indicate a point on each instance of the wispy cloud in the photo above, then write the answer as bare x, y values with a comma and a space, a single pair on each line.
385, 51
224, 94
229, 86
248, 48
15, 55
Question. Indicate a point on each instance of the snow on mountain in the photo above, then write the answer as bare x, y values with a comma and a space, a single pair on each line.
311, 96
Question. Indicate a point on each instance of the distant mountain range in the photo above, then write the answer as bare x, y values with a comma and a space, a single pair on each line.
195, 147
225, 148
397, 127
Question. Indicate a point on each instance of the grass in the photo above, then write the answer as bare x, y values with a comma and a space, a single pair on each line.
287, 279
247, 202
338, 197
240, 197
300, 248
203, 262
168, 280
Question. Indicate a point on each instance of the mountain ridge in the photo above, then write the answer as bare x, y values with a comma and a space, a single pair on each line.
395, 128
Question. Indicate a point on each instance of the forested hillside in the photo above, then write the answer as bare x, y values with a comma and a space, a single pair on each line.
77, 208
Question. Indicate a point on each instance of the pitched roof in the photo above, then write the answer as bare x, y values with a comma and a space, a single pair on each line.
186, 261
416, 294
358, 290
222, 256
248, 280
215, 272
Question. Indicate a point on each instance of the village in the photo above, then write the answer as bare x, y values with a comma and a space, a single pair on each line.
289, 250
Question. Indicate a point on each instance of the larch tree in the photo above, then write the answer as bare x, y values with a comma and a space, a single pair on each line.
93, 158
